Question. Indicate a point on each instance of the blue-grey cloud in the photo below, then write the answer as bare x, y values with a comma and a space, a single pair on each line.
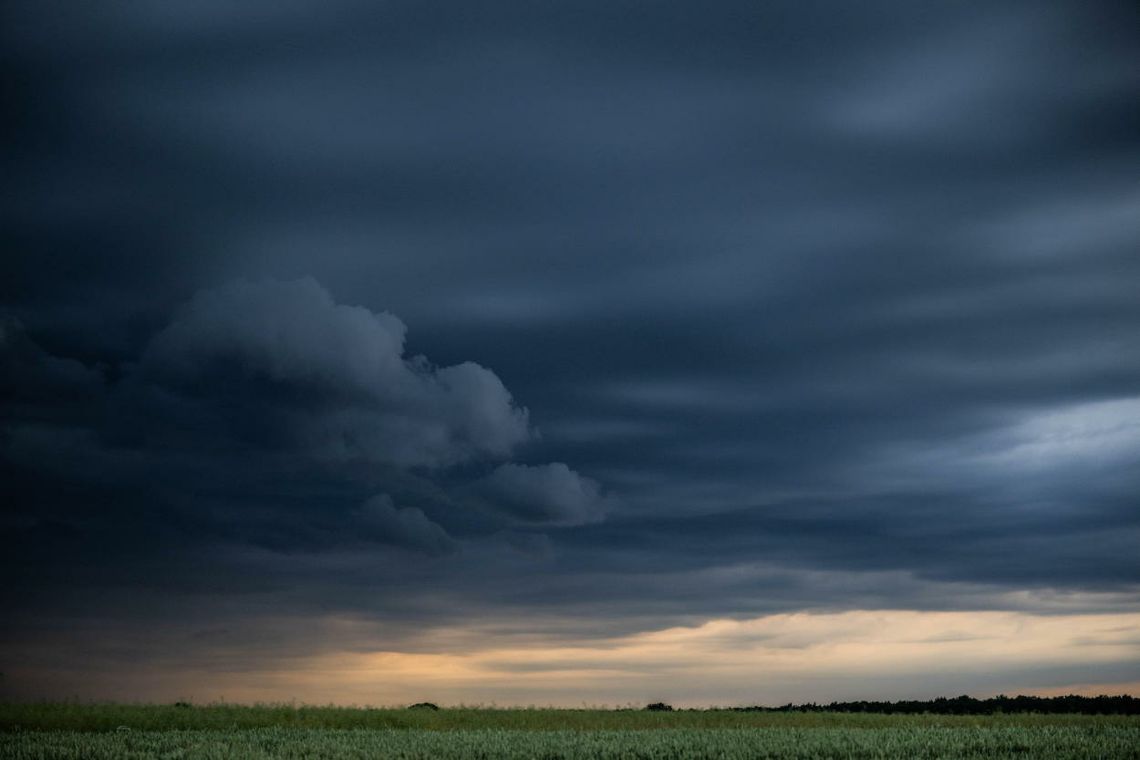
379, 519
30, 374
337, 373
549, 494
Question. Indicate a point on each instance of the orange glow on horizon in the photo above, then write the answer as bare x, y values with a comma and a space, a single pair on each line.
767, 660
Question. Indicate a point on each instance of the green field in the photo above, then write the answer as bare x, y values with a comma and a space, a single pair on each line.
223, 731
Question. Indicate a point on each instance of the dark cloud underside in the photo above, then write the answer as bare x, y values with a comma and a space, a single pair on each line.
629, 313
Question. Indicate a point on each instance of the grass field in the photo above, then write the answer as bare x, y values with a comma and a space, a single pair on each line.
223, 731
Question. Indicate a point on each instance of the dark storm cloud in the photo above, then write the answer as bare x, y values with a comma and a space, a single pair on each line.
260, 417
30, 374
329, 378
544, 494
407, 526
822, 305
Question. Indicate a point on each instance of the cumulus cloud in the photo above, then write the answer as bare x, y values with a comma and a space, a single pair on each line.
380, 520
549, 494
335, 377
285, 331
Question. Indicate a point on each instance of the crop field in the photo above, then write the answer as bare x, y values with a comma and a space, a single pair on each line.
224, 731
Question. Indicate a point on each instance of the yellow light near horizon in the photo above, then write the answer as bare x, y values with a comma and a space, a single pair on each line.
849, 643
776, 658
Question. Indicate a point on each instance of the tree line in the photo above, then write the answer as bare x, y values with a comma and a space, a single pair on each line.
965, 705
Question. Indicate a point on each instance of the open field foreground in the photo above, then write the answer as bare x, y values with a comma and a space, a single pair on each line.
913, 741
223, 731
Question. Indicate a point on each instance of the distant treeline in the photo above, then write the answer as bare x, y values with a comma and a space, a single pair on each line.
1103, 705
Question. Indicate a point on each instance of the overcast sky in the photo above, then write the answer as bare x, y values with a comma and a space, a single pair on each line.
562, 352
